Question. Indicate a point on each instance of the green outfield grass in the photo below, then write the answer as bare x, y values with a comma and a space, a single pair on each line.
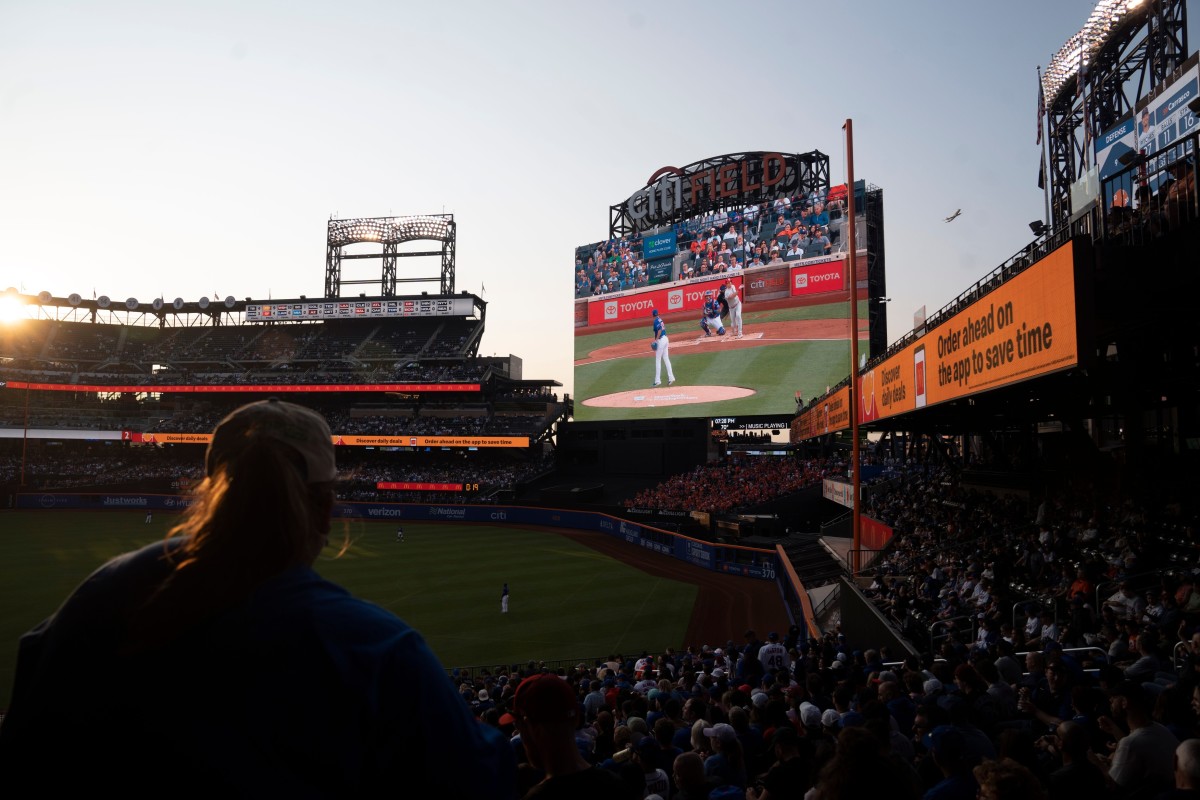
567, 600
775, 372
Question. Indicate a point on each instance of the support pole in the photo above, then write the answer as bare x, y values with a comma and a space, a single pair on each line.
852, 246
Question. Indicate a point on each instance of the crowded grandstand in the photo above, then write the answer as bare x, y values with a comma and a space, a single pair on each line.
988, 558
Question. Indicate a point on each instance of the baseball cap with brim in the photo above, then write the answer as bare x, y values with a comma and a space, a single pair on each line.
301, 429
853, 719
785, 735
945, 741
544, 698
810, 715
722, 731
831, 718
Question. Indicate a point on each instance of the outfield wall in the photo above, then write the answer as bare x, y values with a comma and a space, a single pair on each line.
750, 562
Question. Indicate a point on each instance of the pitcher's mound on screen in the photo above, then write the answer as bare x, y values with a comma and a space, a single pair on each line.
663, 396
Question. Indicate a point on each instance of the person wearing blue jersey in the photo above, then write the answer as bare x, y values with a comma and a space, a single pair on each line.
711, 316
228, 665
661, 345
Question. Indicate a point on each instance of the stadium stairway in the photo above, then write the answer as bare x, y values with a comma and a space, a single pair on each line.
813, 562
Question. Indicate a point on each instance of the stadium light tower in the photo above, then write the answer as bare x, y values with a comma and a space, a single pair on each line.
1124, 49
390, 232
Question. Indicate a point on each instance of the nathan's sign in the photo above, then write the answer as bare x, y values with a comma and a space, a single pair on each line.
672, 193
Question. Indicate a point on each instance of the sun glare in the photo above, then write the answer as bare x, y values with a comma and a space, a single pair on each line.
10, 309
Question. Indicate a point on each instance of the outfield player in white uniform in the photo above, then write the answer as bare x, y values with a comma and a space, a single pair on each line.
735, 307
504, 599
661, 346
773, 655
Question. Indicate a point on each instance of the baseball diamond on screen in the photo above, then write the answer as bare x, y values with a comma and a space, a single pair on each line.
730, 313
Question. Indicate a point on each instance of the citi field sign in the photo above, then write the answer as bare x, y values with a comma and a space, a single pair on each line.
673, 193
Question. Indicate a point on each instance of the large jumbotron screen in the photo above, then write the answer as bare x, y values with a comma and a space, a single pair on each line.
788, 261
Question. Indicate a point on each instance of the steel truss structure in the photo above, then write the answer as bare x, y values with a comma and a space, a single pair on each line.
390, 232
1139, 53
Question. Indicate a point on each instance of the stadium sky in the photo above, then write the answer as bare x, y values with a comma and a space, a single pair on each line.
185, 149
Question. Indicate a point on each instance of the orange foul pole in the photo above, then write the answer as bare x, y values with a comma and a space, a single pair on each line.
852, 247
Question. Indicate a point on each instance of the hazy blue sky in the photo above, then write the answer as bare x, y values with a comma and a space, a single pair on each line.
177, 149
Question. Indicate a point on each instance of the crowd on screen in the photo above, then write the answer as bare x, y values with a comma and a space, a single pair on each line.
803, 226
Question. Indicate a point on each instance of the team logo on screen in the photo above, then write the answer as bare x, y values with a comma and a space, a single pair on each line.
675, 299
801, 280
610, 309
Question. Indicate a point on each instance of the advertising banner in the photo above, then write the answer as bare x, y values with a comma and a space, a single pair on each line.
227, 389
659, 271
659, 245
819, 277
701, 554
839, 492
767, 283
412, 486
431, 441
103, 502
138, 437
827, 416
1023, 329
638, 305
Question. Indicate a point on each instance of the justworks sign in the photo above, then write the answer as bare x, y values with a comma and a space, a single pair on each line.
753, 178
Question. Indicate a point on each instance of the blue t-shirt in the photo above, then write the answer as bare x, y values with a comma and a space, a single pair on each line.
301, 689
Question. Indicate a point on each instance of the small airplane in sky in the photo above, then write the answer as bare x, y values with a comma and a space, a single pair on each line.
953, 216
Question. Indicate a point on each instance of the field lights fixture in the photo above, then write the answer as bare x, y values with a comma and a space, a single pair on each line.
1106, 17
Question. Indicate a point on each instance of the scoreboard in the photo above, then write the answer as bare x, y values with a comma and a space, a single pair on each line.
398, 307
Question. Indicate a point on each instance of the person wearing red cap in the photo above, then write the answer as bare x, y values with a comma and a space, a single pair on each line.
547, 716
